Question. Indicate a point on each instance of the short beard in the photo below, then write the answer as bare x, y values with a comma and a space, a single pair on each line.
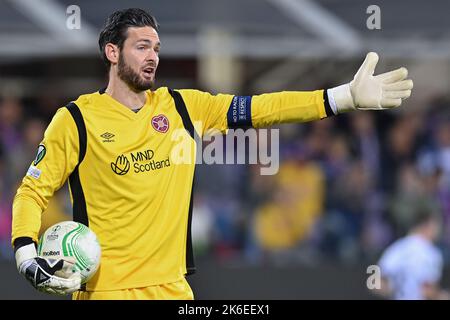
131, 78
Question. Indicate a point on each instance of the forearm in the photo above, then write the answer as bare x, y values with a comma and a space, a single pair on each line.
26, 217
288, 107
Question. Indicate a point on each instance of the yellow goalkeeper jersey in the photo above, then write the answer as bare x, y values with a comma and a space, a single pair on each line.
124, 182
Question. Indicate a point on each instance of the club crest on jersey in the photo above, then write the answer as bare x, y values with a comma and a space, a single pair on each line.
160, 123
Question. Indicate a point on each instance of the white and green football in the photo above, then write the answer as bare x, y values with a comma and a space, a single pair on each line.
72, 239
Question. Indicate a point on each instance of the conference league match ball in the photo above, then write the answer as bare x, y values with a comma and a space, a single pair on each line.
72, 239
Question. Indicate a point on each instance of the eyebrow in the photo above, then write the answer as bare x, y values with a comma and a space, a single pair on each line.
148, 41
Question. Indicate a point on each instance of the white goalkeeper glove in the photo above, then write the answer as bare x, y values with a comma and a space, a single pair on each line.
54, 276
369, 92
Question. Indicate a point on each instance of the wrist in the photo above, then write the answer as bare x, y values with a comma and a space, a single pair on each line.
24, 253
341, 99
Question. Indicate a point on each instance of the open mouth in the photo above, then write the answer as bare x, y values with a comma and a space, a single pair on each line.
148, 72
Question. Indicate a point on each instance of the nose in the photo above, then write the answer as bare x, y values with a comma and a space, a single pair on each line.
152, 56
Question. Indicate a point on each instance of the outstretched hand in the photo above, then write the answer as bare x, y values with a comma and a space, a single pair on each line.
384, 91
369, 92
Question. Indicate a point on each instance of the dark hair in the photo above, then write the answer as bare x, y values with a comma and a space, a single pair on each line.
423, 210
116, 27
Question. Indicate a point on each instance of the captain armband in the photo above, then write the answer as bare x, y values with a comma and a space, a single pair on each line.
239, 114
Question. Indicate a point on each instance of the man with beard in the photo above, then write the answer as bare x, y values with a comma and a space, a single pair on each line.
115, 147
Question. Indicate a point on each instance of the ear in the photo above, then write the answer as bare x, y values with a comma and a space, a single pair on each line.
112, 53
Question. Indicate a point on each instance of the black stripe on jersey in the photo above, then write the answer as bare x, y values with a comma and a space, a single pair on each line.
189, 126
190, 263
79, 202
182, 110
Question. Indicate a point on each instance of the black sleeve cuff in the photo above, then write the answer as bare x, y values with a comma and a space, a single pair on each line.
22, 241
328, 111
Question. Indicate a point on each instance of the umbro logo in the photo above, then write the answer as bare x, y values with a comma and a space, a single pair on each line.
108, 137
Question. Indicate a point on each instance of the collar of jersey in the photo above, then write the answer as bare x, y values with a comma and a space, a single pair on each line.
117, 106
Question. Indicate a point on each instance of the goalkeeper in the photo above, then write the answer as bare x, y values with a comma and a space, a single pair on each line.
114, 147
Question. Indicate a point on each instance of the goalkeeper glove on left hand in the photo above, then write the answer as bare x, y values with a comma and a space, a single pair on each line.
48, 275
369, 92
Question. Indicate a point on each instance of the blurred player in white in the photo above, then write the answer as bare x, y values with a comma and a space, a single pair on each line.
411, 267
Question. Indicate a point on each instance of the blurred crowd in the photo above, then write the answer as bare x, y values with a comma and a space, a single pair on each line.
342, 194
